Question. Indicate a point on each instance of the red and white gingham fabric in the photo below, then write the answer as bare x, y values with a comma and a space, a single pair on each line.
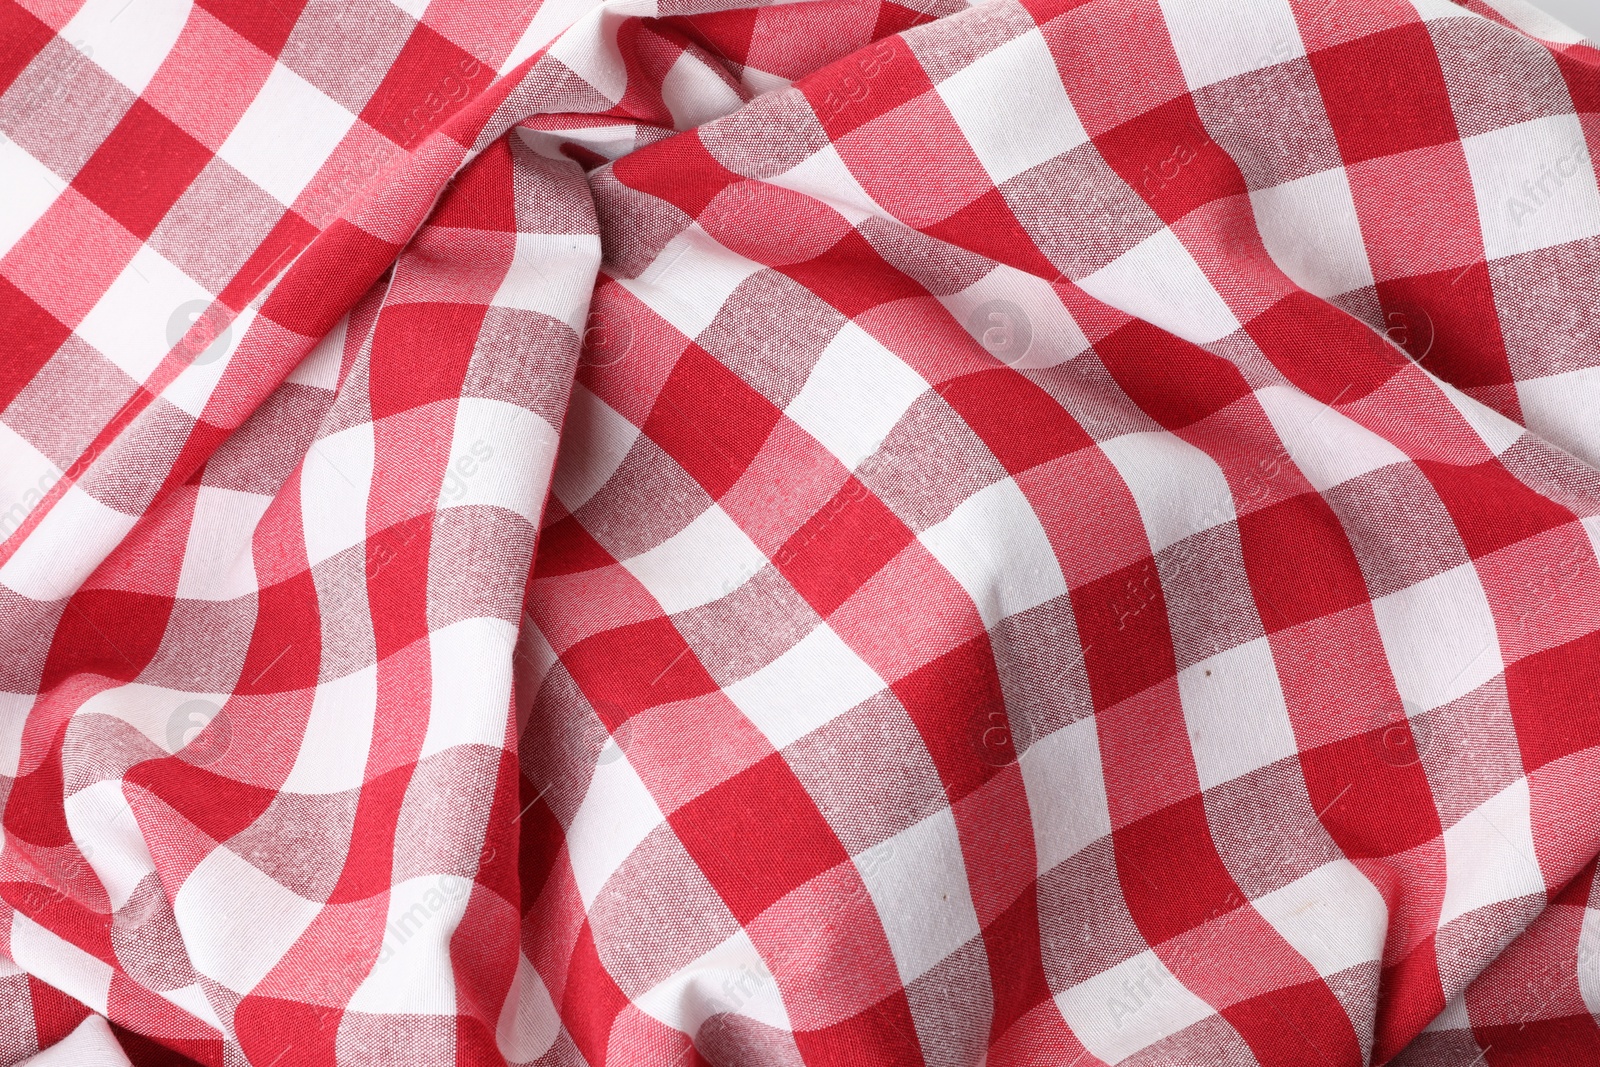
842, 533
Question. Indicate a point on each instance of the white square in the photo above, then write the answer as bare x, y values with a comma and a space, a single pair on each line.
549, 274
730, 979
1066, 792
1489, 855
995, 546
616, 815
143, 314
1535, 185
104, 827
1313, 234
320, 368
51, 958
131, 48
529, 1022
1012, 107
218, 562
1036, 329
1440, 637
286, 135
813, 683
413, 974
689, 280
335, 479
1234, 709
26, 475
824, 176
74, 537
338, 734
589, 49
14, 708
237, 922
595, 439
1589, 959
27, 189
1159, 281
694, 94
1497, 432
1328, 448
501, 455
1332, 916
705, 561
1179, 489
854, 396
1561, 409
918, 882
1220, 39
471, 674
1130, 1007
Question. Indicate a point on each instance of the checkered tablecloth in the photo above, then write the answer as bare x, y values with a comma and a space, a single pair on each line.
655, 534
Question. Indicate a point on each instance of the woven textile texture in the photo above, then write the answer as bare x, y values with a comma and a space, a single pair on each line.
673, 533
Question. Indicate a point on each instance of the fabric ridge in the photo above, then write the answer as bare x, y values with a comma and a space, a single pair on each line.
840, 532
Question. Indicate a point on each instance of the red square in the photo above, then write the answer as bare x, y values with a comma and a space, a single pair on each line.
1278, 1026
591, 1000
480, 196
757, 837
420, 354
1022, 424
22, 36
885, 1033
852, 91
1555, 701
32, 336
106, 632
1490, 506
710, 420
853, 277
851, 538
724, 33
635, 667
1371, 802
679, 170
1171, 875
1122, 622
1414, 999
1541, 1042
138, 173
327, 281
1385, 93
1175, 382
426, 83
1299, 331
990, 228
281, 658
954, 701
1300, 563
1169, 158
565, 547
1451, 325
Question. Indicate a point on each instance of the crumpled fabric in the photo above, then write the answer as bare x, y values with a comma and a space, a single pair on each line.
834, 533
